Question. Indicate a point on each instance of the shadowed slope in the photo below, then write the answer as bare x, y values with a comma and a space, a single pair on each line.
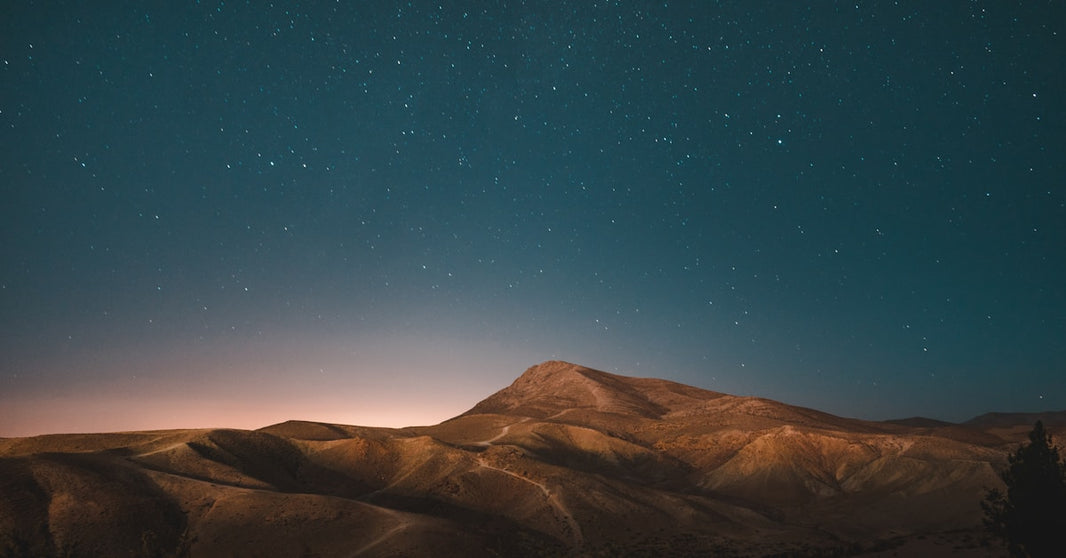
775, 460
565, 461
84, 504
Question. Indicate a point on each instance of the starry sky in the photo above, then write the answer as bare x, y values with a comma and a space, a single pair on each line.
377, 213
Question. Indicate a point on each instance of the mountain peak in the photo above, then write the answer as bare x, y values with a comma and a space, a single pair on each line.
558, 373
550, 368
551, 388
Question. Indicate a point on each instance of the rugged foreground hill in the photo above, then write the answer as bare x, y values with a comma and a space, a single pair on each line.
565, 461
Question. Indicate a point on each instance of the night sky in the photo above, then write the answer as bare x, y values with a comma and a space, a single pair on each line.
233, 214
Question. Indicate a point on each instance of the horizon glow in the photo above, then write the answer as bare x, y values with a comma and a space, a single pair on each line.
226, 214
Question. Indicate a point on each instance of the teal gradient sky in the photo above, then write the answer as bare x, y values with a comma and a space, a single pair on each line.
224, 214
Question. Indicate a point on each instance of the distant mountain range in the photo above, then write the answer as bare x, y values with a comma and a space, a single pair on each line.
566, 461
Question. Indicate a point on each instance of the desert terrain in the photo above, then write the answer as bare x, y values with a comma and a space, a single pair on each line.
566, 461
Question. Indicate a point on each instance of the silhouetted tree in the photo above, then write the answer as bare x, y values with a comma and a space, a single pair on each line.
1031, 514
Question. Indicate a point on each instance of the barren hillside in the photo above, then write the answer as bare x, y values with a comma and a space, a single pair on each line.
565, 461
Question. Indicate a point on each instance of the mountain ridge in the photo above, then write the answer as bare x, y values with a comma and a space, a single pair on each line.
566, 460
553, 386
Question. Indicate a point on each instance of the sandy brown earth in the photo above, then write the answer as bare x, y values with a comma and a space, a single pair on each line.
567, 461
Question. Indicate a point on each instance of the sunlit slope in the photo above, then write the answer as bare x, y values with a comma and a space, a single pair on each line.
565, 461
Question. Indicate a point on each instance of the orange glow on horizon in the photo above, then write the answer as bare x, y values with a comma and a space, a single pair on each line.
398, 382
68, 415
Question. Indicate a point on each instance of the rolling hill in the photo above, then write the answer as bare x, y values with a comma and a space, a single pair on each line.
566, 461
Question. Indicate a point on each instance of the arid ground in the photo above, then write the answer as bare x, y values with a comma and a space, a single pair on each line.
567, 461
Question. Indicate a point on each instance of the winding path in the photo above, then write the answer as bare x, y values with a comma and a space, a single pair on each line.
487, 443
402, 523
562, 512
162, 449
503, 432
